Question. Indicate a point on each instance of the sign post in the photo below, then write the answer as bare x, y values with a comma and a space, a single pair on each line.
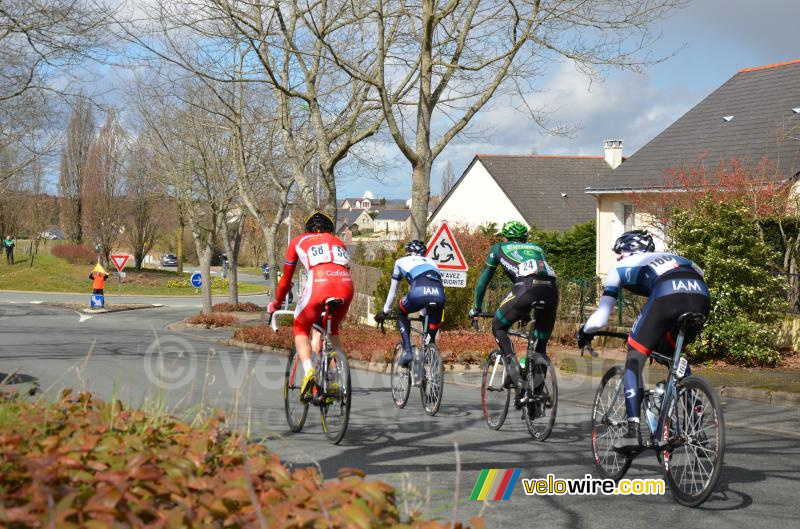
444, 250
119, 263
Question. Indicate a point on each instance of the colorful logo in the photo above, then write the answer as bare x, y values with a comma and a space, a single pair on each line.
495, 484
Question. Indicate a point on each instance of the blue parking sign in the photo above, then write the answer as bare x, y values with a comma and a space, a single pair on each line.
97, 301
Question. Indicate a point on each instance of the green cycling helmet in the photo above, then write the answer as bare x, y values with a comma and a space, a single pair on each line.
514, 229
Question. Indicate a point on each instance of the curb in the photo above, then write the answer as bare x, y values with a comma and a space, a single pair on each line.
776, 398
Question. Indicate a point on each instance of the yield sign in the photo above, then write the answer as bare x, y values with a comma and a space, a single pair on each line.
120, 261
443, 249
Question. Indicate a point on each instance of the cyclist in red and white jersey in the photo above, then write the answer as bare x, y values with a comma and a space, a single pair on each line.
324, 256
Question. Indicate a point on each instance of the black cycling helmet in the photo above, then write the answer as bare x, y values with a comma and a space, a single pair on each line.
319, 222
634, 241
416, 247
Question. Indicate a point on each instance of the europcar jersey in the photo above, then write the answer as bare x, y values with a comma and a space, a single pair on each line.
640, 272
519, 259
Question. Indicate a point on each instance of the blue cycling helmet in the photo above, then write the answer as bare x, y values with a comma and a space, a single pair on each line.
416, 247
634, 241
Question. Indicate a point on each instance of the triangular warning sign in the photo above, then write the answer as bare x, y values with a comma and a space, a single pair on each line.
120, 261
444, 249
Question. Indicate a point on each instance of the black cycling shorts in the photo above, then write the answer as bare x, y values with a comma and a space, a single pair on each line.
656, 327
536, 293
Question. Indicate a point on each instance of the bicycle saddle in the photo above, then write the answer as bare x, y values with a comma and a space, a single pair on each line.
432, 305
691, 319
332, 303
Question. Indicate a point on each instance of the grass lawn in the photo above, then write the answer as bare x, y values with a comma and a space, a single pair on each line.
51, 274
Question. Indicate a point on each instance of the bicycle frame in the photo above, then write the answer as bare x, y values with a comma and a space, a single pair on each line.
423, 333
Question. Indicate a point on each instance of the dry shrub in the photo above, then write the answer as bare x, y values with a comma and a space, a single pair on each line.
239, 307
213, 320
81, 462
74, 253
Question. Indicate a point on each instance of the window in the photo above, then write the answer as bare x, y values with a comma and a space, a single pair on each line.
628, 217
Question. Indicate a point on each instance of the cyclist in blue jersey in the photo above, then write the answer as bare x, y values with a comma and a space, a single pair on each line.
425, 288
673, 285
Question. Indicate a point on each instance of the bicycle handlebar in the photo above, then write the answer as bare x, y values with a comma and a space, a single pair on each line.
272, 321
609, 334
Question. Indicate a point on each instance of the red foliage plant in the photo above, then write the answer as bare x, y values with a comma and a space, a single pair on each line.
81, 462
74, 253
239, 307
761, 187
213, 320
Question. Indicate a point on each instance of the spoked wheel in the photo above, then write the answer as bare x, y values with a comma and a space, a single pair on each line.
695, 433
495, 390
432, 386
609, 422
540, 410
296, 411
401, 379
335, 408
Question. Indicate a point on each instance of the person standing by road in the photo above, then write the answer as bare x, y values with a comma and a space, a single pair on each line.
98, 277
9, 244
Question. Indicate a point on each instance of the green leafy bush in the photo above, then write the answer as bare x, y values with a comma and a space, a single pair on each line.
747, 299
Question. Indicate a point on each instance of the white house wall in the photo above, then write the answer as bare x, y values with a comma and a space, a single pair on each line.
476, 200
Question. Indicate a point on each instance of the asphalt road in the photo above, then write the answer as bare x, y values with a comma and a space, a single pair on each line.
109, 354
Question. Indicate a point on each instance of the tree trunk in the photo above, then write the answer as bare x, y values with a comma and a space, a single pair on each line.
232, 248
179, 249
420, 195
270, 236
204, 251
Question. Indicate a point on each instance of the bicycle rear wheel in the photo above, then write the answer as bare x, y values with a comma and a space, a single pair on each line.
495, 391
540, 410
432, 387
296, 411
335, 408
693, 460
401, 379
609, 422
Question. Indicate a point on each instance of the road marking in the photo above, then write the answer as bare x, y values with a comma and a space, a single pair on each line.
83, 317
36, 302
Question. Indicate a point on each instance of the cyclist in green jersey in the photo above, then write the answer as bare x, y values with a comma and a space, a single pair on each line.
534, 289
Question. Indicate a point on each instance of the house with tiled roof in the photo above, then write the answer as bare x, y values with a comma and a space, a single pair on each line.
393, 224
540, 190
354, 221
752, 117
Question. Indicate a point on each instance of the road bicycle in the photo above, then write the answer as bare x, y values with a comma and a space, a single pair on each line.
331, 390
683, 417
426, 370
541, 396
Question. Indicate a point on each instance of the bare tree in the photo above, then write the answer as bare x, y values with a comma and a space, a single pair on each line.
448, 178
103, 188
437, 64
143, 202
72, 176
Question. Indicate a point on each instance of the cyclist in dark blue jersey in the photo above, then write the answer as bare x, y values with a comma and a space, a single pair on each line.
425, 292
673, 285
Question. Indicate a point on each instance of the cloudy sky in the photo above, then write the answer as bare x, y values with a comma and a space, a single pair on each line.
715, 38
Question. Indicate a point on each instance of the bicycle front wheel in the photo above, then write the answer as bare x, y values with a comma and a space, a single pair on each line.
432, 387
540, 410
335, 408
609, 422
296, 411
495, 391
695, 434
401, 379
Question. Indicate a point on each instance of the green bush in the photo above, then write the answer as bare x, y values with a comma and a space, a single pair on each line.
747, 299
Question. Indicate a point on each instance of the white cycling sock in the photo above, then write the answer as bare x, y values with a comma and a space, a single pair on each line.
307, 364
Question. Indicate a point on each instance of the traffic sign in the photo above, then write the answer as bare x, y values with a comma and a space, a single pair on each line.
456, 279
197, 280
443, 249
120, 261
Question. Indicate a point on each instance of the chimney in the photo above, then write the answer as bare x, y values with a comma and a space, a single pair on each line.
613, 152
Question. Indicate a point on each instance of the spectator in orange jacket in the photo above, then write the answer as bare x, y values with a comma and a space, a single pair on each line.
98, 281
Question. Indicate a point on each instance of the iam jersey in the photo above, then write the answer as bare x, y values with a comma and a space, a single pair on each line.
645, 273
414, 269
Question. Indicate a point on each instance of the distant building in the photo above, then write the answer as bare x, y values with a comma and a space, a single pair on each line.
393, 224
543, 191
353, 220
